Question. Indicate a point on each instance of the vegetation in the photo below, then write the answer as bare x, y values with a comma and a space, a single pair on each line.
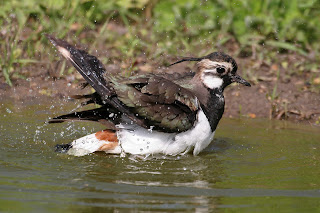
257, 29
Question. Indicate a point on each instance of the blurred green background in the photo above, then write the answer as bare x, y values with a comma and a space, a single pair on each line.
247, 28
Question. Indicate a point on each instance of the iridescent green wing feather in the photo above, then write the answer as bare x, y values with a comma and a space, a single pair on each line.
161, 103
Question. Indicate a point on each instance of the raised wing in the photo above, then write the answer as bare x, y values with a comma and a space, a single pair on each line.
149, 101
93, 72
162, 104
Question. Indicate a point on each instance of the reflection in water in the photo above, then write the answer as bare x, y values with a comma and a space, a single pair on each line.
252, 165
156, 182
177, 176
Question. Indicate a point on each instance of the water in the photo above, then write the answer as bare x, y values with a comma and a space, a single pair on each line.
253, 165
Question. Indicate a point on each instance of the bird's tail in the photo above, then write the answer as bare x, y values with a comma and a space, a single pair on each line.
105, 140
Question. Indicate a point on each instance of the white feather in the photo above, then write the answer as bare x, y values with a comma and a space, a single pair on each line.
89, 144
212, 81
134, 139
137, 140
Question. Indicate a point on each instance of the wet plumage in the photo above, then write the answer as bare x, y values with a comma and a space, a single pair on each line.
151, 114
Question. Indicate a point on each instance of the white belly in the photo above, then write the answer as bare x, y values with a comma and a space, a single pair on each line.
137, 140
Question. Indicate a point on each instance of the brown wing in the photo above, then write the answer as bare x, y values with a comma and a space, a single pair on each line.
147, 100
159, 102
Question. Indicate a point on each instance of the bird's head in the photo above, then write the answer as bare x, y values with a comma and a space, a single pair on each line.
216, 70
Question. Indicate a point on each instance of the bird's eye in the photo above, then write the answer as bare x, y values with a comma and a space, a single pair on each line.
220, 70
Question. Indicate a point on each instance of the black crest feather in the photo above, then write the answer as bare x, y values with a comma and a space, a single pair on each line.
186, 59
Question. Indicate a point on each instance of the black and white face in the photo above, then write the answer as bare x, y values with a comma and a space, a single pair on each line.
218, 74
212, 72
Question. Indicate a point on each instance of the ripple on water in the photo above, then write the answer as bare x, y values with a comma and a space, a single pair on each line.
251, 165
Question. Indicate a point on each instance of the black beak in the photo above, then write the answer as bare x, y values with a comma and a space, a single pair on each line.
240, 80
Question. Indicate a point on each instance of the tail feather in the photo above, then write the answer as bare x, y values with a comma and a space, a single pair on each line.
62, 148
105, 140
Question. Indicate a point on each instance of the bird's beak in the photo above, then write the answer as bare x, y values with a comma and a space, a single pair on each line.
237, 78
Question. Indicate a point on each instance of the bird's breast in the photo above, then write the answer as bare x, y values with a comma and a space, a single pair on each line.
138, 140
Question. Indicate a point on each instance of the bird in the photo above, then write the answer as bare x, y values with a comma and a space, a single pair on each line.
149, 114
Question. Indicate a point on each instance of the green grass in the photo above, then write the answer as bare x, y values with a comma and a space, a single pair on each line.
257, 29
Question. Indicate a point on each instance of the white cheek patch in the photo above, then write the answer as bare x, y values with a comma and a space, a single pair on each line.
212, 82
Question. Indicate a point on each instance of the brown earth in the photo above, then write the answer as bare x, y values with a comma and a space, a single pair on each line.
293, 98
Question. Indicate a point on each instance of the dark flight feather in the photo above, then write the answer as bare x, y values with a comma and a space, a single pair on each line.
147, 100
93, 72
102, 115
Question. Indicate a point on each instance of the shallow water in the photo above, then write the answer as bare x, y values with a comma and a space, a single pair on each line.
252, 165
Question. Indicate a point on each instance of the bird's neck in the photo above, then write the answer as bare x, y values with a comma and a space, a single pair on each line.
214, 107
212, 101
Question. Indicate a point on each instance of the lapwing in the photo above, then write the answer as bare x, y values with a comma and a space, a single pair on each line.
150, 114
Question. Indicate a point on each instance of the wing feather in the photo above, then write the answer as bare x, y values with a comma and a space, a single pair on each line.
148, 100
160, 102
94, 73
